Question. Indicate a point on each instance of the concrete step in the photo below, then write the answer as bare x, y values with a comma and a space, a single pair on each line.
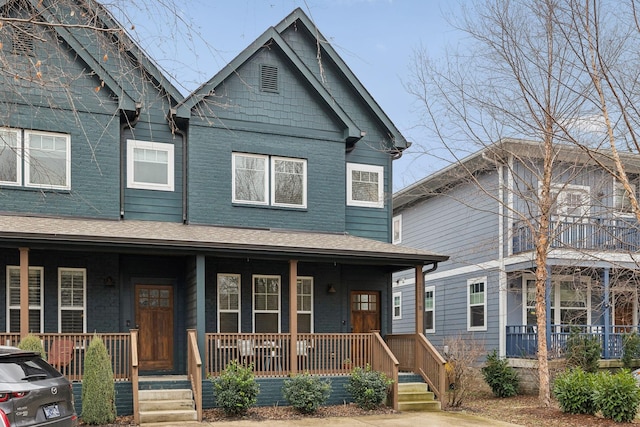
177, 417
173, 424
160, 405
412, 387
431, 405
415, 396
165, 394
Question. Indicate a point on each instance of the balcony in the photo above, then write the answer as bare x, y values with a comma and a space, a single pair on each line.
580, 233
522, 340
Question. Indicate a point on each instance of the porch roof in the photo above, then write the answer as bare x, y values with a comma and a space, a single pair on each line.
43, 232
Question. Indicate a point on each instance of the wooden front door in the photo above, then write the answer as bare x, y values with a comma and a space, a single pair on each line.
154, 317
623, 310
365, 311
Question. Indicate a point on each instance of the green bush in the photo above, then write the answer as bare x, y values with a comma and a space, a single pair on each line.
32, 343
236, 389
617, 396
574, 390
630, 349
98, 389
368, 388
583, 351
306, 393
501, 377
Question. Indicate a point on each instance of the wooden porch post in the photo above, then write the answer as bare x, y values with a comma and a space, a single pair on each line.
293, 314
419, 312
24, 291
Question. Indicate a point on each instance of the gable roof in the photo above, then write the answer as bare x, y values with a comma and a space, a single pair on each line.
301, 20
70, 35
41, 232
489, 157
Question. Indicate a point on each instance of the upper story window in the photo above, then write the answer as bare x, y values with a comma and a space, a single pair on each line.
150, 165
365, 185
477, 302
35, 159
397, 229
572, 202
621, 200
72, 283
269, 180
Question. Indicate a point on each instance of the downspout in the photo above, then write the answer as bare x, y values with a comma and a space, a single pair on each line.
123, 149
434, 267
183, 135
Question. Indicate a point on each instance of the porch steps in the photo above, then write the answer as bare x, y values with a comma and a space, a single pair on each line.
415, 396
166, 402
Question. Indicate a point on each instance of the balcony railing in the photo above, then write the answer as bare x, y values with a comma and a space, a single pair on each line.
604, 234
522, 340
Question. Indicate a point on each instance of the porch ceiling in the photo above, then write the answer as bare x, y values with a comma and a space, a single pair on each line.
228, 241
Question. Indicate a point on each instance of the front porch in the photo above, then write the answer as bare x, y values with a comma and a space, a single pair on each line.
271, 355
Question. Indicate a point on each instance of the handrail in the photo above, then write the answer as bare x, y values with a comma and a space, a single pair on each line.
384, 361
134, 375
431, 365
194, 368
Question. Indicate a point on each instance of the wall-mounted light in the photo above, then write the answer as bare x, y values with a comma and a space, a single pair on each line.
331, 289
108, 281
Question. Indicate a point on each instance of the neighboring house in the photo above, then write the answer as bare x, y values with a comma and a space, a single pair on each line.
255, 213
481, 210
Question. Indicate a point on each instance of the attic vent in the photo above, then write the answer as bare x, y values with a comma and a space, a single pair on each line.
23, 40
268, 78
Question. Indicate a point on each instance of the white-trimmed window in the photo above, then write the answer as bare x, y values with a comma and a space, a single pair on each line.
72, 285
269, 180
430, 309
228, 303
572, 202
621, 200
477, 303
36, 299
47, 160
150, 165
266, 304
10, 156
570, 300
305, 304
397, 305
397, 229
365, 185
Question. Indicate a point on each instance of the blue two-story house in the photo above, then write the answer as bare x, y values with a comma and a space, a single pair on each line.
251, 220
484, 209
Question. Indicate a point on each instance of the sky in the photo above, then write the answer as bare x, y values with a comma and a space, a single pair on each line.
376, 39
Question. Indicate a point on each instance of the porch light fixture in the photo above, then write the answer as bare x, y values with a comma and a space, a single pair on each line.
331, 289
108, 281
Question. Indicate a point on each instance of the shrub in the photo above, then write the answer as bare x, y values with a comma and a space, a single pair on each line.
236, 389
368, 388
583, 351
98, 389
574, 390
617, 396
32, 343
306, 393
630, 349
461, 357
501, 377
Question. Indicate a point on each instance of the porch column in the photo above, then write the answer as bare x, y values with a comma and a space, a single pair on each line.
607, 311
24, 291
293, 314
547, 298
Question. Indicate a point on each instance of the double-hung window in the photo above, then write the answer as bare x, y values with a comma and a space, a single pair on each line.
397, 305
72, 285
228, 303
35, 159
305, 304
477, 303
36, 297
365, 185
430, 309
266, 304
269, 180
397, 229
621, 199
570, 300
150, 165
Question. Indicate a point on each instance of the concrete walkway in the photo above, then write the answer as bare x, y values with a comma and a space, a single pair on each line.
403, 419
